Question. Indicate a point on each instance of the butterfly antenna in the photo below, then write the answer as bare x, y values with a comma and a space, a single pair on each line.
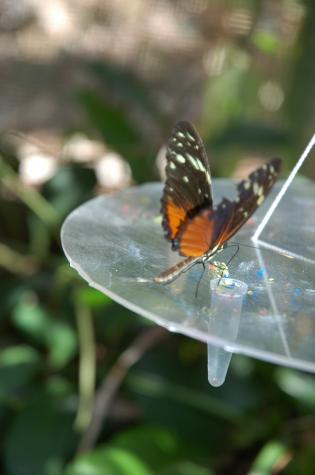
234, 243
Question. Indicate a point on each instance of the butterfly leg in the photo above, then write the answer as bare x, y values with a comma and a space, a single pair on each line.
200, 278
230, 260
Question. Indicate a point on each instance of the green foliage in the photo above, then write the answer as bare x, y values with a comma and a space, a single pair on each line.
144, 450
110, 461
119, 132
116, 129
268, 457
18, 367
40, 437
57, 336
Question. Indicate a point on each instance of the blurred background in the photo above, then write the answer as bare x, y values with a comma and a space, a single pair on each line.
89, 92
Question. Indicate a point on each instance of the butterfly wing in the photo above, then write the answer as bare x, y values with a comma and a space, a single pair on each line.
210, 229
187, 189
251, 194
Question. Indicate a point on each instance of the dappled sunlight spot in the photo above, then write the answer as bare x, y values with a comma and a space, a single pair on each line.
238, 22
160, 162
37, 168
95, 40
36, 165
293, 15
56, 18
15, 14
271, 96
195, 7
167, 26
37, 154
79, 148
113, 172
214, 59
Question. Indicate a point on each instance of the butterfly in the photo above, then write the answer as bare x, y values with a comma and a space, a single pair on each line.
195, 228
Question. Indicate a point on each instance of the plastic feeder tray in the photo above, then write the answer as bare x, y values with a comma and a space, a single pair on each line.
265, 309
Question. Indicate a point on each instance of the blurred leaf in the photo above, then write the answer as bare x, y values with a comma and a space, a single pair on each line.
58, 386
40, 238
13, 220
92, 298
183, 394
29, 317
62, 342
226, 105
126, 85
39, 439
250, 134
120, 133
270, 455
183, 410
116, 323
154, 445
266, 41
297, 385
303, 463
57, 336
18, 355
11, 289
117, 130
70, 187
187, 468
108, 461
31, 197
18, 366
86, 366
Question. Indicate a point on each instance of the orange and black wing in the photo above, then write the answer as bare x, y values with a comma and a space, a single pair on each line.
251, 194
187, 189
209, 229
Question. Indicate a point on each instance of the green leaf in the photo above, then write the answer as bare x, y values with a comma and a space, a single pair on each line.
303, 462
266, 41
108, 461
117, 130
18, 355
297, 385
182, 394
62, 344
120, 133
69, 187
156, 446
33, 320
39, 439
187, 468
18, 366
29, 317
267, 458
128, 87
94, 299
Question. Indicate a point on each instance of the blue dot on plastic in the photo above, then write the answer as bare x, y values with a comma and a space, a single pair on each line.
261, 273
297, 291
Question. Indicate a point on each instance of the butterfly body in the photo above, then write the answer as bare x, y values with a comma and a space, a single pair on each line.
195, 228
173, 272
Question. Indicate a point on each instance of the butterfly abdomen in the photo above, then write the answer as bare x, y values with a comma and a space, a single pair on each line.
173, 272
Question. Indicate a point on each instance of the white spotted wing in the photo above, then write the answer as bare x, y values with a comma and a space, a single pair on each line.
187, 189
